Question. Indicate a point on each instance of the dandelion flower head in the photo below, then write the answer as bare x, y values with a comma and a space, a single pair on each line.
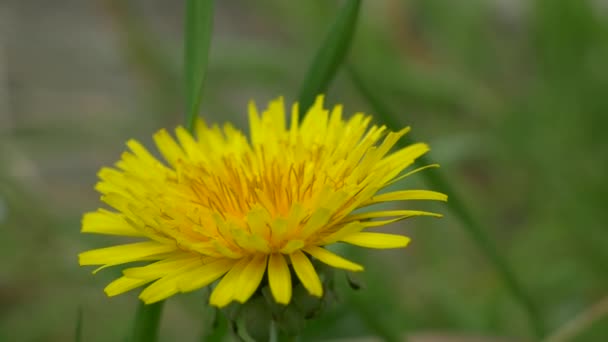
223, 208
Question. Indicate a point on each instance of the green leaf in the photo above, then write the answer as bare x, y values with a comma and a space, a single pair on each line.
199, 24
473, 227
78, 332
147, 322
330, 55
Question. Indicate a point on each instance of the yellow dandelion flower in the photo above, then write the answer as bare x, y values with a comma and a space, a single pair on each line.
227, 208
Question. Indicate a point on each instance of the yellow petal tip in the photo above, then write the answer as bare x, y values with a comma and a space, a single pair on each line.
358, 269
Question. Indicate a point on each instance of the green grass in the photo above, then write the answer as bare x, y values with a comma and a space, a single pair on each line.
512, 100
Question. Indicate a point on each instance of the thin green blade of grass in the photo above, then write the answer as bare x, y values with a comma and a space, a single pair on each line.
330, 55
197, 33
78, 331
147, 322
197, 40
475, 230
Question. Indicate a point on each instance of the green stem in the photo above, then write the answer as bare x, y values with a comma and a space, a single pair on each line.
274, 332
147, 322
436, 180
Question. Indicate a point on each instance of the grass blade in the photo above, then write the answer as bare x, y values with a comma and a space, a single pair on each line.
197, 31
435, 179
330, 55
78, 332
147, 322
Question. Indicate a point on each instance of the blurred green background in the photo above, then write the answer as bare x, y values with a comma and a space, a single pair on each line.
512, 95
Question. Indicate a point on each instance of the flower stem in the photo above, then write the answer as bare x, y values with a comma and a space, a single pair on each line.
475, 230
147, 322
274, 332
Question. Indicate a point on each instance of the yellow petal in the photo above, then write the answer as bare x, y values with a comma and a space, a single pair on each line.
168, 285
107, 222
316, 221
279, 278
190, 146
159, 290
306, 273
201, 129
394, 180
295, 121
377, 240
150, 258
258, 220
296, 214
315, 117
404, 195
403, 214
113, 180
274, 117
291, 246
205, 274
249, 242
369, 224
255, 126
142, 153
332, 259
389, 141
345, 230
264, 200
279, 228
250, 278
223, 293
334, 200
167, 146
124, 253
160, 268
123, 284
117, 201
406, 156
225, 251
